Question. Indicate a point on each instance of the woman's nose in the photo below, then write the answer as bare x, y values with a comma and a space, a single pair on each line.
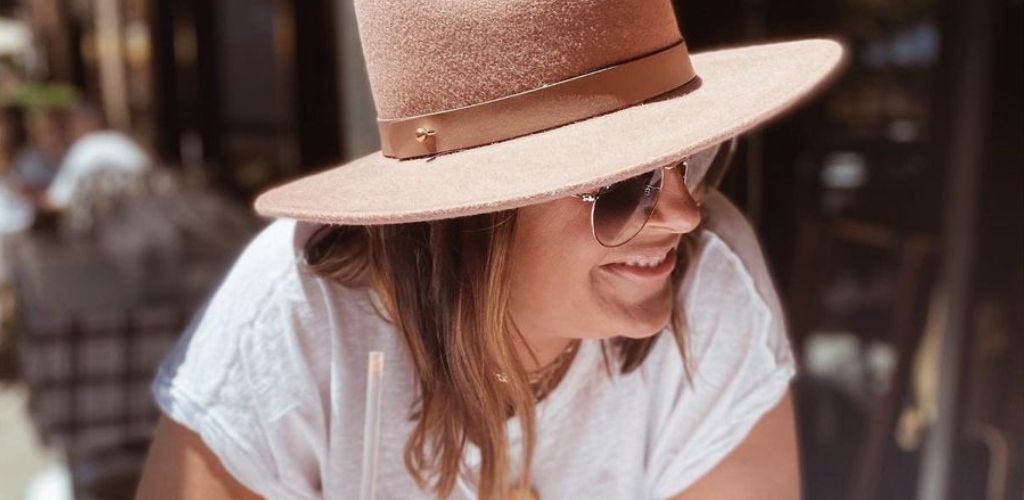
677, 211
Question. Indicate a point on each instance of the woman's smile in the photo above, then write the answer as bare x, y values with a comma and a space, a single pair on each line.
650, 266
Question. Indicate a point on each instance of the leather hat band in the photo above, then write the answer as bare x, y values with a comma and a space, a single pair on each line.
591, 94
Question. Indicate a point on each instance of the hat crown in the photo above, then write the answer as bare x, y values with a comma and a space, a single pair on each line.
427, 56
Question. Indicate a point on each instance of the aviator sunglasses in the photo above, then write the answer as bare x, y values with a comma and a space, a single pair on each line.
619, 211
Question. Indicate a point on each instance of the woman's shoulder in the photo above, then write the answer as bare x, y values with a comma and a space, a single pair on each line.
277, 248
271, 322
252, 374
266, 271
272, 269
270, 296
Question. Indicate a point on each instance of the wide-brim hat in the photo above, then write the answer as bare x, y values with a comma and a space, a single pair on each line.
485, 105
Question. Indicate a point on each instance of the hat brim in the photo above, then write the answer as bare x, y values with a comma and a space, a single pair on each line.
741, 88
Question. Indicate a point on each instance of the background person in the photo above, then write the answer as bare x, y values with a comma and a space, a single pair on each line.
95, 150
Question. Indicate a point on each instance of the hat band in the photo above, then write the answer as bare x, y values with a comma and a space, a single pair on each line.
591, 94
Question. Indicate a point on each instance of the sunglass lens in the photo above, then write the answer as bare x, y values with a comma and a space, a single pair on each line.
623, 210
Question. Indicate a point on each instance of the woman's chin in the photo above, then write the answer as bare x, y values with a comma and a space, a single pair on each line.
648, 325
637, 333
632, 327
631, 318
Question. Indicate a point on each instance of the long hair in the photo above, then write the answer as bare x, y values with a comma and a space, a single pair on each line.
444, 285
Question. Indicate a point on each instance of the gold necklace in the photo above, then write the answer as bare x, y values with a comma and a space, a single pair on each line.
543, 380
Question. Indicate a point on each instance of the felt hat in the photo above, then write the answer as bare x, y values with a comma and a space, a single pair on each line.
485, 105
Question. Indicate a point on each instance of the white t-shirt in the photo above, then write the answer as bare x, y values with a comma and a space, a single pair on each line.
272, 377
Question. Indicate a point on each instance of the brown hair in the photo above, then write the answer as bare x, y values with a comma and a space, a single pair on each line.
444, 284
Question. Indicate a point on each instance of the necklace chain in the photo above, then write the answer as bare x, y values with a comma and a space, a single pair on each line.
541, 381
545, 372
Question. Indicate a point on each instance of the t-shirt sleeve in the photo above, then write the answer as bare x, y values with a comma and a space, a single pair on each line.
244, 377
739, 358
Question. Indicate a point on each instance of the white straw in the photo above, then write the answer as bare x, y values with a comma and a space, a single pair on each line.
371, 425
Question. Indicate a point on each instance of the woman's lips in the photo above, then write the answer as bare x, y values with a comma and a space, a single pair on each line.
644, 273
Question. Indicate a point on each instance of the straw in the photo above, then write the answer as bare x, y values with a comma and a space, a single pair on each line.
371, 425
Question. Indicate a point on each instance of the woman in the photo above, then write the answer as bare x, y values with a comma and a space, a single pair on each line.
566, 308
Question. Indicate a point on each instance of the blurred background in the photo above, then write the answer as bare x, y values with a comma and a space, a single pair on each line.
135, 133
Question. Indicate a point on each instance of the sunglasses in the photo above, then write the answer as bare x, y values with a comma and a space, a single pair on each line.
620, 211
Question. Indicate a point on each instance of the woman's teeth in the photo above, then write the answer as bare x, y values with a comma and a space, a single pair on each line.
644, 261
645, 267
